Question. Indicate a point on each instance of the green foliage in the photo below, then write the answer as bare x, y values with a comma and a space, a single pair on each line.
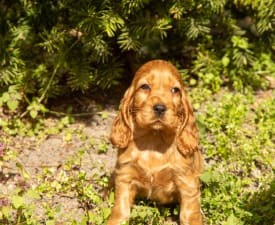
51, 49
231, 126
11, 98
237, 137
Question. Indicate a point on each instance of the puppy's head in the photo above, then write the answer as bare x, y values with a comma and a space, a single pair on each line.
157, 98
156, 101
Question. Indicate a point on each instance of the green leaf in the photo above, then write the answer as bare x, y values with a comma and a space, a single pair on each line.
50, 222
5, 97
6, 211
206, 177
104, 115
232, 220
58, 208
106, 212
24, 173
193, 82
84, 220
12, 104
102, 147
17, 201
68, 137
33, 194
33, 114
225, 61
112, 197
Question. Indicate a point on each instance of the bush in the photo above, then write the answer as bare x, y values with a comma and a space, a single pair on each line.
51, 48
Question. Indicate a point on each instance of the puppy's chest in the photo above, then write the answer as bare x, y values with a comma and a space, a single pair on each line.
155, 175
153, 162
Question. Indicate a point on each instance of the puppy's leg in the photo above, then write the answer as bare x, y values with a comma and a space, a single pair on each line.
124, 198
190, 210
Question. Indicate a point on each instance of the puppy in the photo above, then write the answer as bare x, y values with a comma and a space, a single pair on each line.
157, 141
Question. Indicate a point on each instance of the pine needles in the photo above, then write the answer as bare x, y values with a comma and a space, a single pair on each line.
89, 42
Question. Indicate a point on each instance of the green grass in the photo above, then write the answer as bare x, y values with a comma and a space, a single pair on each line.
238, 186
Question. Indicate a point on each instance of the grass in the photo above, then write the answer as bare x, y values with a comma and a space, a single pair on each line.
238, 186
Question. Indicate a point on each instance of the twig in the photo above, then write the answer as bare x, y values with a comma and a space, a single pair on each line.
48, 85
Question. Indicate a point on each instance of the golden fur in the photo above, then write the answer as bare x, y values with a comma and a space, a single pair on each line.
157, 141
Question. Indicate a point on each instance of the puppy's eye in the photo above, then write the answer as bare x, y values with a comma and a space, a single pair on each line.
145, 87
175, 90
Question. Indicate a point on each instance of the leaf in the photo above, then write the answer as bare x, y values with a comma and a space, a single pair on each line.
206, 177
232, 220
5, 210
33, 114
104, 115
112, 197
25, 174
84, 220
17, 201
225, 61
58, 208
193, 82
12, 104
50, 222
102, 147
5, 97
106, 212
33, 194
68, 137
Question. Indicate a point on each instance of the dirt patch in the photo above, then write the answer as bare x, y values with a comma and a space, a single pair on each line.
33, 155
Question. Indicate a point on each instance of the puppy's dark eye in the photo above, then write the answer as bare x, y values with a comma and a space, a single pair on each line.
175, 90
145, 87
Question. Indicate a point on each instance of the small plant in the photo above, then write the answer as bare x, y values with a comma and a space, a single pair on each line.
11, 98
102, 147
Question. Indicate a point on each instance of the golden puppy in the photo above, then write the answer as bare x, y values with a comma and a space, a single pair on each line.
157, 141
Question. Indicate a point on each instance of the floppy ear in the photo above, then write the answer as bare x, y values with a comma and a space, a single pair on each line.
121, 131
187, 137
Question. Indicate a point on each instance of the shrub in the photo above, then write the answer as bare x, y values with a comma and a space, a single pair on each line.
50, 49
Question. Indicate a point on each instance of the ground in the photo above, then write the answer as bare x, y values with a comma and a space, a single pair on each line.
53, 160
89, 132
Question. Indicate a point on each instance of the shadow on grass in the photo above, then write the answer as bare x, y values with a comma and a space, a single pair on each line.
262, 207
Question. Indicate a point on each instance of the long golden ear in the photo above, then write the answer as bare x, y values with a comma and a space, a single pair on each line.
188, 136
121, 131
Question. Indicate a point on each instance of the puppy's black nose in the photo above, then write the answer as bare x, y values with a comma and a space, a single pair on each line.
159, 109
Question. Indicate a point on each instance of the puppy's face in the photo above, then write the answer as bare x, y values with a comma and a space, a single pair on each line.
157, 102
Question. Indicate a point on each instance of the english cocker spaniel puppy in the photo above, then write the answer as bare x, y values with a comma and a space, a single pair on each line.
157, 141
